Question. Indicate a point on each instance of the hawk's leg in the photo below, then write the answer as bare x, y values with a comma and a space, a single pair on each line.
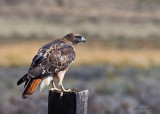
60, 77
54, 87
64, 90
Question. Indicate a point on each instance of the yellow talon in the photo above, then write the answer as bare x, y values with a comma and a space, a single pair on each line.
55, 89
68, 90
64, 90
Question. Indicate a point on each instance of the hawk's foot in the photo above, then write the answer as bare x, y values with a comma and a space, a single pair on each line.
66, 90
55, 89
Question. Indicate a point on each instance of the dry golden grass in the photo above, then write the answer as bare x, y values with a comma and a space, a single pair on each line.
143, 58
20, 54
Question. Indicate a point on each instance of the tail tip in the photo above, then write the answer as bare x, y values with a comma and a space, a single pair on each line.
18, 83
27, 95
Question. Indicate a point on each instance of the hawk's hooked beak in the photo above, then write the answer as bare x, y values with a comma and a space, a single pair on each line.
82, 39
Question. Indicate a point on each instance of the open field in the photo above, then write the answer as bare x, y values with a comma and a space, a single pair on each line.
112, 90
21, 54
17, 29
119, 64
119, 32
102, 19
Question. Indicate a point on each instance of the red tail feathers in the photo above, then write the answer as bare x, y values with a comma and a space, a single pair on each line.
31, 87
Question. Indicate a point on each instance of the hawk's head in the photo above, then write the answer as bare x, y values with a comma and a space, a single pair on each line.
74, 38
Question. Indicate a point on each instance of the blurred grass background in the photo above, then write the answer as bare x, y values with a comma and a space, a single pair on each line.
119, 64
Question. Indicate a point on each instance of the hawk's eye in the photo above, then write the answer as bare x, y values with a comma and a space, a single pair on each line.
78, 37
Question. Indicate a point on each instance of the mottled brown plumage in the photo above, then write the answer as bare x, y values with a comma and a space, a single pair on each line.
51, 61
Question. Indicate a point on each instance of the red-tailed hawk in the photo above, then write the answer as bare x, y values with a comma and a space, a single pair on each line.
51, 61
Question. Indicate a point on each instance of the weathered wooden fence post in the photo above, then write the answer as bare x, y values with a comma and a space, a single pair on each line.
74, 102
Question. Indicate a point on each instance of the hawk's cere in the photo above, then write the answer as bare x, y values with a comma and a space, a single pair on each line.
51, 61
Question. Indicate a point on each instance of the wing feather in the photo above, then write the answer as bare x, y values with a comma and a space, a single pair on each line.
62, 58
52, 58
